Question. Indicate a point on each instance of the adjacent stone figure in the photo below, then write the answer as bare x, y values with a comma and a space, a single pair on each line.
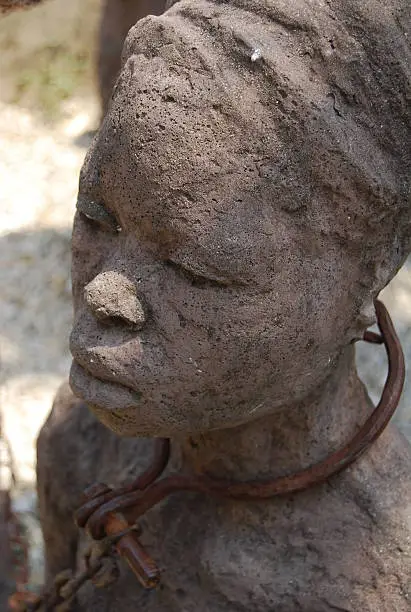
246, 199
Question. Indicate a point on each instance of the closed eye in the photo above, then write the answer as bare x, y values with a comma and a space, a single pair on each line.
96, 211
194, 278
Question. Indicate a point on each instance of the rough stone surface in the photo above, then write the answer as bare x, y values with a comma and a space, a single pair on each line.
226, 197
122, 306
263, 201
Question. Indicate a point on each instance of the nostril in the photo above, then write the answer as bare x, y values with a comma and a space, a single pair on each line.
112, 298
121, 320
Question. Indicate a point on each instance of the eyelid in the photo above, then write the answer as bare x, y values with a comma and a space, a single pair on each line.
97, 212
194, 277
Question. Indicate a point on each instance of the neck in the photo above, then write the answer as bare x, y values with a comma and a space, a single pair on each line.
290, 440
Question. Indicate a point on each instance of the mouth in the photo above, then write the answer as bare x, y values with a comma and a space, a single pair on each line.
116, 363
104, 394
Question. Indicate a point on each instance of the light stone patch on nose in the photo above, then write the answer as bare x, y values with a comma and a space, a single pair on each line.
113, 296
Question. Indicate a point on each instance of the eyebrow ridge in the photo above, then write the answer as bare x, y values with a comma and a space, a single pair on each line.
96, 211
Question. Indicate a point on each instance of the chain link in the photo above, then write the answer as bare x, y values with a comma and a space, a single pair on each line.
100, 567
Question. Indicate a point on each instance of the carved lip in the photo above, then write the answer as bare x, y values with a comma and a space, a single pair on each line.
86, 356
103, 393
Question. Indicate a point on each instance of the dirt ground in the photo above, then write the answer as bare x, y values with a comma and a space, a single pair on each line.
39, 167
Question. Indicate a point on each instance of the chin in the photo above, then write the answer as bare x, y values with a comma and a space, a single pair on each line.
117, 423
130, 414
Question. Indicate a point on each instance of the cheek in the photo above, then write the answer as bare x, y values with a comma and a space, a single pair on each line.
256, 342
215, 327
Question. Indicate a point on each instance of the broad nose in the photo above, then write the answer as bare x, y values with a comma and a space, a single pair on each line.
112, 297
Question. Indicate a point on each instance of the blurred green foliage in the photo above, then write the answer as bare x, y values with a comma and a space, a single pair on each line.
47, 55
55, 74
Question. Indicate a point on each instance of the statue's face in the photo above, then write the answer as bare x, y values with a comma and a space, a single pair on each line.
211, 307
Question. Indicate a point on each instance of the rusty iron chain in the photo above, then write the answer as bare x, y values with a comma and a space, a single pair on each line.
100, 568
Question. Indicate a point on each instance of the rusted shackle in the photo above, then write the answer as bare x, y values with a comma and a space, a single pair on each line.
128, 545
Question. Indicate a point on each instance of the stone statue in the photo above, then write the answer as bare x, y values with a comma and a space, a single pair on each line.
246, 199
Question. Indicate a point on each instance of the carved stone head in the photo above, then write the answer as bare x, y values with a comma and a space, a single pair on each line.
245, 200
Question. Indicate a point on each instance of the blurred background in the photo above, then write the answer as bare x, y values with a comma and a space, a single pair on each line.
48, 109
